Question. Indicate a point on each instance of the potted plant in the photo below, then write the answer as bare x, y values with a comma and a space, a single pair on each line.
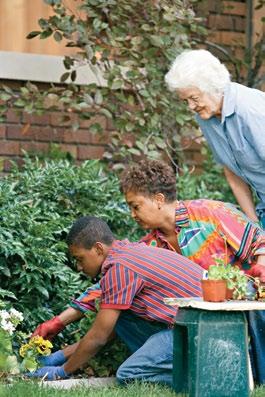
214, 286
229, 282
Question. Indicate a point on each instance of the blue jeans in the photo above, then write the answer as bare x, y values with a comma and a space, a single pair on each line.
152, 347
256, 328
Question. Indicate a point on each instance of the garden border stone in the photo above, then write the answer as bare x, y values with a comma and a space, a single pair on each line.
82, 382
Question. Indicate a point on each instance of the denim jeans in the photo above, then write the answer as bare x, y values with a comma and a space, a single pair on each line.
256, 328
152, 347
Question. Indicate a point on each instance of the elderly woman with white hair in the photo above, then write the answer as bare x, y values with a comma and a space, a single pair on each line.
232, 119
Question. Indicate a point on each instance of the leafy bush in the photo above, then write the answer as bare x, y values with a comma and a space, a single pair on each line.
38, 205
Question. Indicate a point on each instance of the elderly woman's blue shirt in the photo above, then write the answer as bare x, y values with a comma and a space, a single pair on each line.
238, 139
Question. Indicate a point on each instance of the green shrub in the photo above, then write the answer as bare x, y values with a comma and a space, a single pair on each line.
38, 205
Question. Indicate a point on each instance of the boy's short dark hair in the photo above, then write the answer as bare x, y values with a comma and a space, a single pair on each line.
88, 230
149, 177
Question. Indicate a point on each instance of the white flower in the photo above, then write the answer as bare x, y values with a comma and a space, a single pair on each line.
7, 326
4, 315
16, 315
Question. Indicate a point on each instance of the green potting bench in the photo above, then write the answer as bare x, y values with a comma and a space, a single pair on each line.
210, 351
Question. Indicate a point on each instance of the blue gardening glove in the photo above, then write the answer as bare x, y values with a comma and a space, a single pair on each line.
52, 373
54, 359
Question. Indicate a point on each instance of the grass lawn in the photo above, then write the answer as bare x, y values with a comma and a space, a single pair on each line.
31, 389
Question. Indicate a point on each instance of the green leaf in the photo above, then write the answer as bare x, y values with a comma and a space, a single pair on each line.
157, 41
5, 293
129, 127
46, 33
29, 364
4, 96
43, 291
95, 128
98, 98
134, 151
58, 36
88, 99
64, 77
33, 34
106, 113
73, 75
117, 84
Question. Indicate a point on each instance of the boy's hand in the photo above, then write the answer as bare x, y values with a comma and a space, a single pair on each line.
50, 328
54, 359
49, 373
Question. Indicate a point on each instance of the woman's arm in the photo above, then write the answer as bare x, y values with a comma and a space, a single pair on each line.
242, 193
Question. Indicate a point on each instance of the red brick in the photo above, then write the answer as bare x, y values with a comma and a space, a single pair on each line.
90, 152
34, 133
2, 131
80, 136
72, 149
240, 24
9, 147
12, 116
220, 22
50, 134
93, 120
57, 119
234, 8
228, 38
101, 137
43, 119
214, 6
16, 132
34, 147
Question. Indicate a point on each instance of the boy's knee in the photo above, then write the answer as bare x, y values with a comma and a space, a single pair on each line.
121, 375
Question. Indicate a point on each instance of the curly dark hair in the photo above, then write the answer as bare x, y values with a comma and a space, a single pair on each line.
149, 177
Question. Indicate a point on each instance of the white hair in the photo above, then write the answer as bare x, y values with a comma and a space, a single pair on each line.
199, 69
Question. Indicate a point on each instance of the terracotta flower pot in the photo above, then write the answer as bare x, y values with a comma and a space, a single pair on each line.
229, 293
214, 290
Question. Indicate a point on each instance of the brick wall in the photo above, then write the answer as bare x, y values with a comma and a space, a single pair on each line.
35, 134
227, 23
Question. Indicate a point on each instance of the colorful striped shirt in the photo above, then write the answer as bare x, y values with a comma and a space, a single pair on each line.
138, 277
206, 230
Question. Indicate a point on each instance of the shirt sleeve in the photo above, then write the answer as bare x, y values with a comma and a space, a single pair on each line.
87, 300
253, 130
119, 287
245, 237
